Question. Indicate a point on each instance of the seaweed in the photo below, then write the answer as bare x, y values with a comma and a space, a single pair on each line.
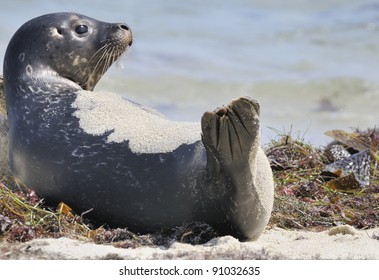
23, 216
309, 197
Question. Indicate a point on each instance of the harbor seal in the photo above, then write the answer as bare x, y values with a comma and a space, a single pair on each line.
132, 166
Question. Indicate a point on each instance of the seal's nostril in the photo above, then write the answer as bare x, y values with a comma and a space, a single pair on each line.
124, 26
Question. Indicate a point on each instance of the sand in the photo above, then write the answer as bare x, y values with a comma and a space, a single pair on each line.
146, 130
342, 242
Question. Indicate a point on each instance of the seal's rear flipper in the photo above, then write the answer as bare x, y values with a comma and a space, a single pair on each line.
232, 140
231, 133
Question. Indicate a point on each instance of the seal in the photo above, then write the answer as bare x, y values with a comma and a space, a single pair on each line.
132, 166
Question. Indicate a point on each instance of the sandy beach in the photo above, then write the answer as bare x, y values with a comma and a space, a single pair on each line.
340, 243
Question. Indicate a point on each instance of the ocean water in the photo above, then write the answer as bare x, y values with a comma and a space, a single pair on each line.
312, 65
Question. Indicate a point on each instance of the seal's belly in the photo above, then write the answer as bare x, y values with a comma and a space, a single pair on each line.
140, 190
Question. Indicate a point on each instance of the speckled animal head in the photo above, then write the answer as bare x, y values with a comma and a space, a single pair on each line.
70, 45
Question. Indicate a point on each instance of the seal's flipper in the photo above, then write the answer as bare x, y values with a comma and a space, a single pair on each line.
231, 133
232, 140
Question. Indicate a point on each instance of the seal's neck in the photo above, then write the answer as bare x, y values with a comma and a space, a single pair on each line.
38, 90
49, 82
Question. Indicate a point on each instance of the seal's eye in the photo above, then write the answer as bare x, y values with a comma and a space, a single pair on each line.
81, 29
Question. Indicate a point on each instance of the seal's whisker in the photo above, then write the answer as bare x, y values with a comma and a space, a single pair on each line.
99, 51
107, 60
105, 57
101, 57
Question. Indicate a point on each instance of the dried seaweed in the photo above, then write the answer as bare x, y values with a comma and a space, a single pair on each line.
308, 196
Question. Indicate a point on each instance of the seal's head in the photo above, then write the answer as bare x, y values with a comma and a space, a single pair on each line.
68, 45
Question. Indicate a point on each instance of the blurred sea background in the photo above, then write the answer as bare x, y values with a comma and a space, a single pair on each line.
313, 65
